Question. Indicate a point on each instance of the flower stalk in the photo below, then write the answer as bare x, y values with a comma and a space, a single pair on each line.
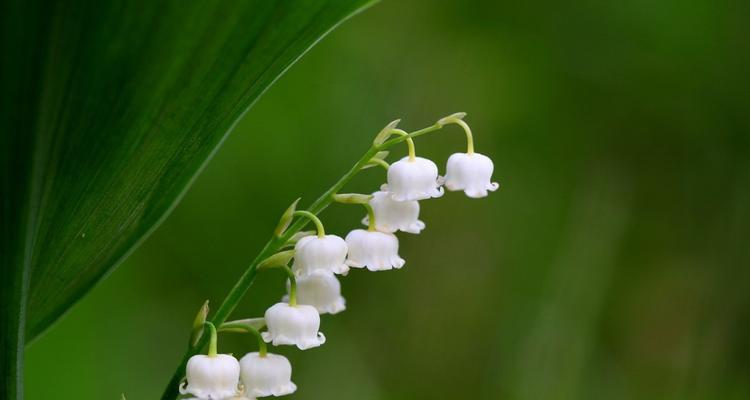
212, 343
458, 119
278, 241
469, 136
380, 162
244, 327
314, 218
409, 142
292, 286
370, 217
361, 199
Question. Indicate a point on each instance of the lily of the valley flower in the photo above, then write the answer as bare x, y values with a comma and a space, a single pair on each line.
314, 253
313, 288
212, 377
266, 375
376, 251
293, 325
392, 216
470, 172
322, 290
413, 178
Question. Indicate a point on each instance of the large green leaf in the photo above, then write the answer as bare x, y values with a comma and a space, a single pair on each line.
109, 109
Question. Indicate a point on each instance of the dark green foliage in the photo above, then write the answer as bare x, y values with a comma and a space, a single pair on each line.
109, 110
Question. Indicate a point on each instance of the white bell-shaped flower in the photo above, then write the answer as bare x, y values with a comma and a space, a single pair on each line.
211, 377
293, 325
313, 253
376, 251
392, 216
268, 375
320, 289
470, 172
414, 179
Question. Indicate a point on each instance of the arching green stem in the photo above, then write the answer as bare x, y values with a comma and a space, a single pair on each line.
357, 198
212, 343
370, 217
381, 163
314, 218
469, 136
240, 327
409, 142
292, 285
262, 348
390, 142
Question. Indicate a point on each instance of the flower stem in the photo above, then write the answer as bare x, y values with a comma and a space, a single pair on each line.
362, 199
411, 135
314, 218
212, 344
469, 136
272, 247
292, 285
262, 347
409, 142
239, 327
370, 217
381, 163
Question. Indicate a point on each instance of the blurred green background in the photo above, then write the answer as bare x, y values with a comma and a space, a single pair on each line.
613, 263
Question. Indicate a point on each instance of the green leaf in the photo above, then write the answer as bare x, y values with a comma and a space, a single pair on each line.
108, 111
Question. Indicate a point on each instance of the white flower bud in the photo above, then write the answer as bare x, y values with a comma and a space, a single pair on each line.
415, 179
471, 173
211, 378
321, 290
392, 216
376, 251
270, 375
312, 253
293, 325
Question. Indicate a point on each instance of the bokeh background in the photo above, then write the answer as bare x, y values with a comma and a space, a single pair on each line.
613, 263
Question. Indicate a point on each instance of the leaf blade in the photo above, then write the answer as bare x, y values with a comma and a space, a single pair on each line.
104, 193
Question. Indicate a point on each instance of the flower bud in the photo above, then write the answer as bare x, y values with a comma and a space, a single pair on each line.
210, 377
376, 251
470, 172
321, 290
312, 253
269, 375
413, 179
392, 216
293, 325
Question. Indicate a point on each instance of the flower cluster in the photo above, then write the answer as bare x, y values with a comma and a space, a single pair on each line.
313, 286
